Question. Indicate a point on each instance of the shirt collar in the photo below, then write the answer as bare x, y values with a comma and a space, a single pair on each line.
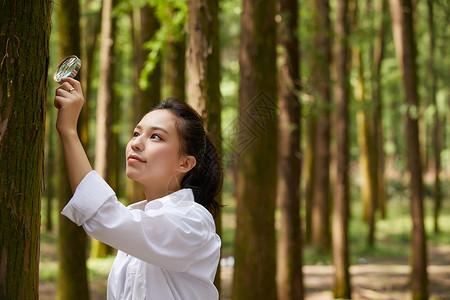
185, 195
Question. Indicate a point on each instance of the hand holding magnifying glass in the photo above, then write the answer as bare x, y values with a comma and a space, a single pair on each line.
69, 67
69, 95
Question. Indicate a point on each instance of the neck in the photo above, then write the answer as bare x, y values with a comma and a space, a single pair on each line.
157, 191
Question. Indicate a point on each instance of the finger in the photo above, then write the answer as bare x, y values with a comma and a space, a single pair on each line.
58, 102
64, 87
73, 83
62, 92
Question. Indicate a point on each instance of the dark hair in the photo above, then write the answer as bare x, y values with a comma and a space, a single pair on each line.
206, 178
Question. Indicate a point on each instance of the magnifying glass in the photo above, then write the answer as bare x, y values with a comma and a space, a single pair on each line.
69, 67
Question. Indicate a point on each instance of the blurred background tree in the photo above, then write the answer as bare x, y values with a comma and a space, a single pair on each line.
164, 48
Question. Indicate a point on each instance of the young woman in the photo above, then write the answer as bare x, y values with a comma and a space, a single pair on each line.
168, 247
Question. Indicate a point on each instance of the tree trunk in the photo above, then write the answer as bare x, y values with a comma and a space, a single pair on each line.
72, 240
90, 27
204, 75
364, 136
309, 170
175, 66
289, 262
255, 266
378, 55
405, 46
144, 27
151, 95
104, 107
50, 164
437, 122
342, 288
24, 38
320, 82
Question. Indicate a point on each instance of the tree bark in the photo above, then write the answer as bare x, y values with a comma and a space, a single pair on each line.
405, 47
342, 288
24, 39
255, 266
320, 82
289, 255
203, 63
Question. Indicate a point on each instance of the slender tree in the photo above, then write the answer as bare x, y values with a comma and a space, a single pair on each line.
289, 256
364, 140
402, 12
204, 74
175, 64
90, 25
146, 96
50, 166
378, 56
104, 106
150, 95
309, 170
342, 288
255, 267
437, 126
320, 83
24, 59
72, 240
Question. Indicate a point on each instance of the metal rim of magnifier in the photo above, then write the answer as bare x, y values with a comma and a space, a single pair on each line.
69, 67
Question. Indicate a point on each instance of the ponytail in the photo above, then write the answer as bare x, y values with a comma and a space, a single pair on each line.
206, 178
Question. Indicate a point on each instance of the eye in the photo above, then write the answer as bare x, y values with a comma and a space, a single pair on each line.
135, 134
155, 136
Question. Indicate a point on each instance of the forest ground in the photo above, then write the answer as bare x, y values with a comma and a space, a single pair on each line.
381, 280
380, 272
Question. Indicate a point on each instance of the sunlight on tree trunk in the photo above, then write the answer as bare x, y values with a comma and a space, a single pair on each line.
341, 287
363, 139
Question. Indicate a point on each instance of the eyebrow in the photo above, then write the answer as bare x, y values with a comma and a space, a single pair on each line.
154, 128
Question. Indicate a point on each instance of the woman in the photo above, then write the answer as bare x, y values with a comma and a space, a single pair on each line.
168, 247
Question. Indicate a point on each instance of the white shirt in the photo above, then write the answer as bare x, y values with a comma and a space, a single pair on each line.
168, 247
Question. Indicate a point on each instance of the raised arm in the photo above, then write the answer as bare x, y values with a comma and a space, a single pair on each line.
69, 100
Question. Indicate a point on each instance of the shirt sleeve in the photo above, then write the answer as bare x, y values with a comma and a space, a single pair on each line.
89, 196
170, 238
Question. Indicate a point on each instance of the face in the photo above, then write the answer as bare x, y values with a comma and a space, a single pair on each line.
153, 153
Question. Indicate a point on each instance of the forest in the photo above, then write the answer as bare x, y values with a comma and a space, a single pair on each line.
330, 117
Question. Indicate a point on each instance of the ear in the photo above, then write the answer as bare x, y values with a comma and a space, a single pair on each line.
187, 163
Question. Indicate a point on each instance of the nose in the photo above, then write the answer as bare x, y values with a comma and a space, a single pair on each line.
136, 144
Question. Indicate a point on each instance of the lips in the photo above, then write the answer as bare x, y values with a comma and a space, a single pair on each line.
135, 158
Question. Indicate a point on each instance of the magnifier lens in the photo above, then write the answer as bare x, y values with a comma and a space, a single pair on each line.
69, 67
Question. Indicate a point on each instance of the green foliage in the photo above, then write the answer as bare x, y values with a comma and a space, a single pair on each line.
172, 17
